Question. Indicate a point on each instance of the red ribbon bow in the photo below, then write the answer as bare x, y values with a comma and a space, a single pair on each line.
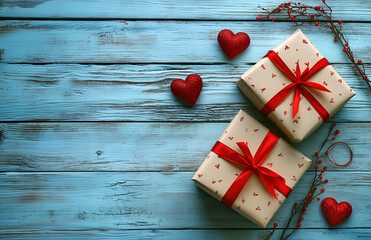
270, 179
299, 85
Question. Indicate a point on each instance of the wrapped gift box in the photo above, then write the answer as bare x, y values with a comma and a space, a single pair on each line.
226, 180
266, 79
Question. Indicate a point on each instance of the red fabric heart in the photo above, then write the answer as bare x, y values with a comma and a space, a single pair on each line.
335, 213
187, 90
233, 44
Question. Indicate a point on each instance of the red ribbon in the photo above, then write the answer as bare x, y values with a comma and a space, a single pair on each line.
299, 85
270, 179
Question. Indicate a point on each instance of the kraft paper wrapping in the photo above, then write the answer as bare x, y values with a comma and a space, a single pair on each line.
216, 175
262, 81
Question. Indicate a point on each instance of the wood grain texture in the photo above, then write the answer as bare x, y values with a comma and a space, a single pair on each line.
159, 41
148, 200
75, 92
166, 9
217, 234
111, 151
168, 147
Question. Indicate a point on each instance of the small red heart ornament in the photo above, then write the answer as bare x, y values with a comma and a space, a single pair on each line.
233, 44
187, 90
335, 213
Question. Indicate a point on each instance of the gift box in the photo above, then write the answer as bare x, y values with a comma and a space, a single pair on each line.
251, 170
295, 87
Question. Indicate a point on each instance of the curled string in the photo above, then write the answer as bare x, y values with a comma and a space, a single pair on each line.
331, 158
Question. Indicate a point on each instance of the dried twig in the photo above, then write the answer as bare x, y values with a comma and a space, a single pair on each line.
300, 207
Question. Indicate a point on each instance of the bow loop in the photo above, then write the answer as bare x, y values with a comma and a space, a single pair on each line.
299, 80
252, 164
297, 72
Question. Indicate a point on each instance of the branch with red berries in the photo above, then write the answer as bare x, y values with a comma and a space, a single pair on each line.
300, 207
300, 14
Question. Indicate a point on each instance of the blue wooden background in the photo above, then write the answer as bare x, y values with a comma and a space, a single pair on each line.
94, 145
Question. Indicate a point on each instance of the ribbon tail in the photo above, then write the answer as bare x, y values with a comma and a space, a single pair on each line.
279, 183
268, 182
316, 105
296, 102
298, 73
316, 86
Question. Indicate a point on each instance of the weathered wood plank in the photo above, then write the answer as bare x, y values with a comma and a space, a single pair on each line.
147, 200
159, 41
217, 234
164, 9
75, 92
166, 147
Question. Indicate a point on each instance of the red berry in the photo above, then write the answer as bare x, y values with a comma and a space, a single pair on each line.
309, 202
323, 190
292, 17
271, 233
316, 24
296, 204
257, 18
307, 197
334, 124
289, 3
285, 5
268, 17
322, 171
359, 61
346, 44
275, 224
333, 138
344, 49
325, 167
320, 161
316, 154
278, 9
315, 188
318, 199
326, 180
273, 19
305, 7
320, 176
312, 16
301, 218
322, 10
289, 11
306, 202
310, 195
335, 40
323, 1
304, 209
365, 78
340, 21
299, 224
337, 131
316, 166
326, 153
